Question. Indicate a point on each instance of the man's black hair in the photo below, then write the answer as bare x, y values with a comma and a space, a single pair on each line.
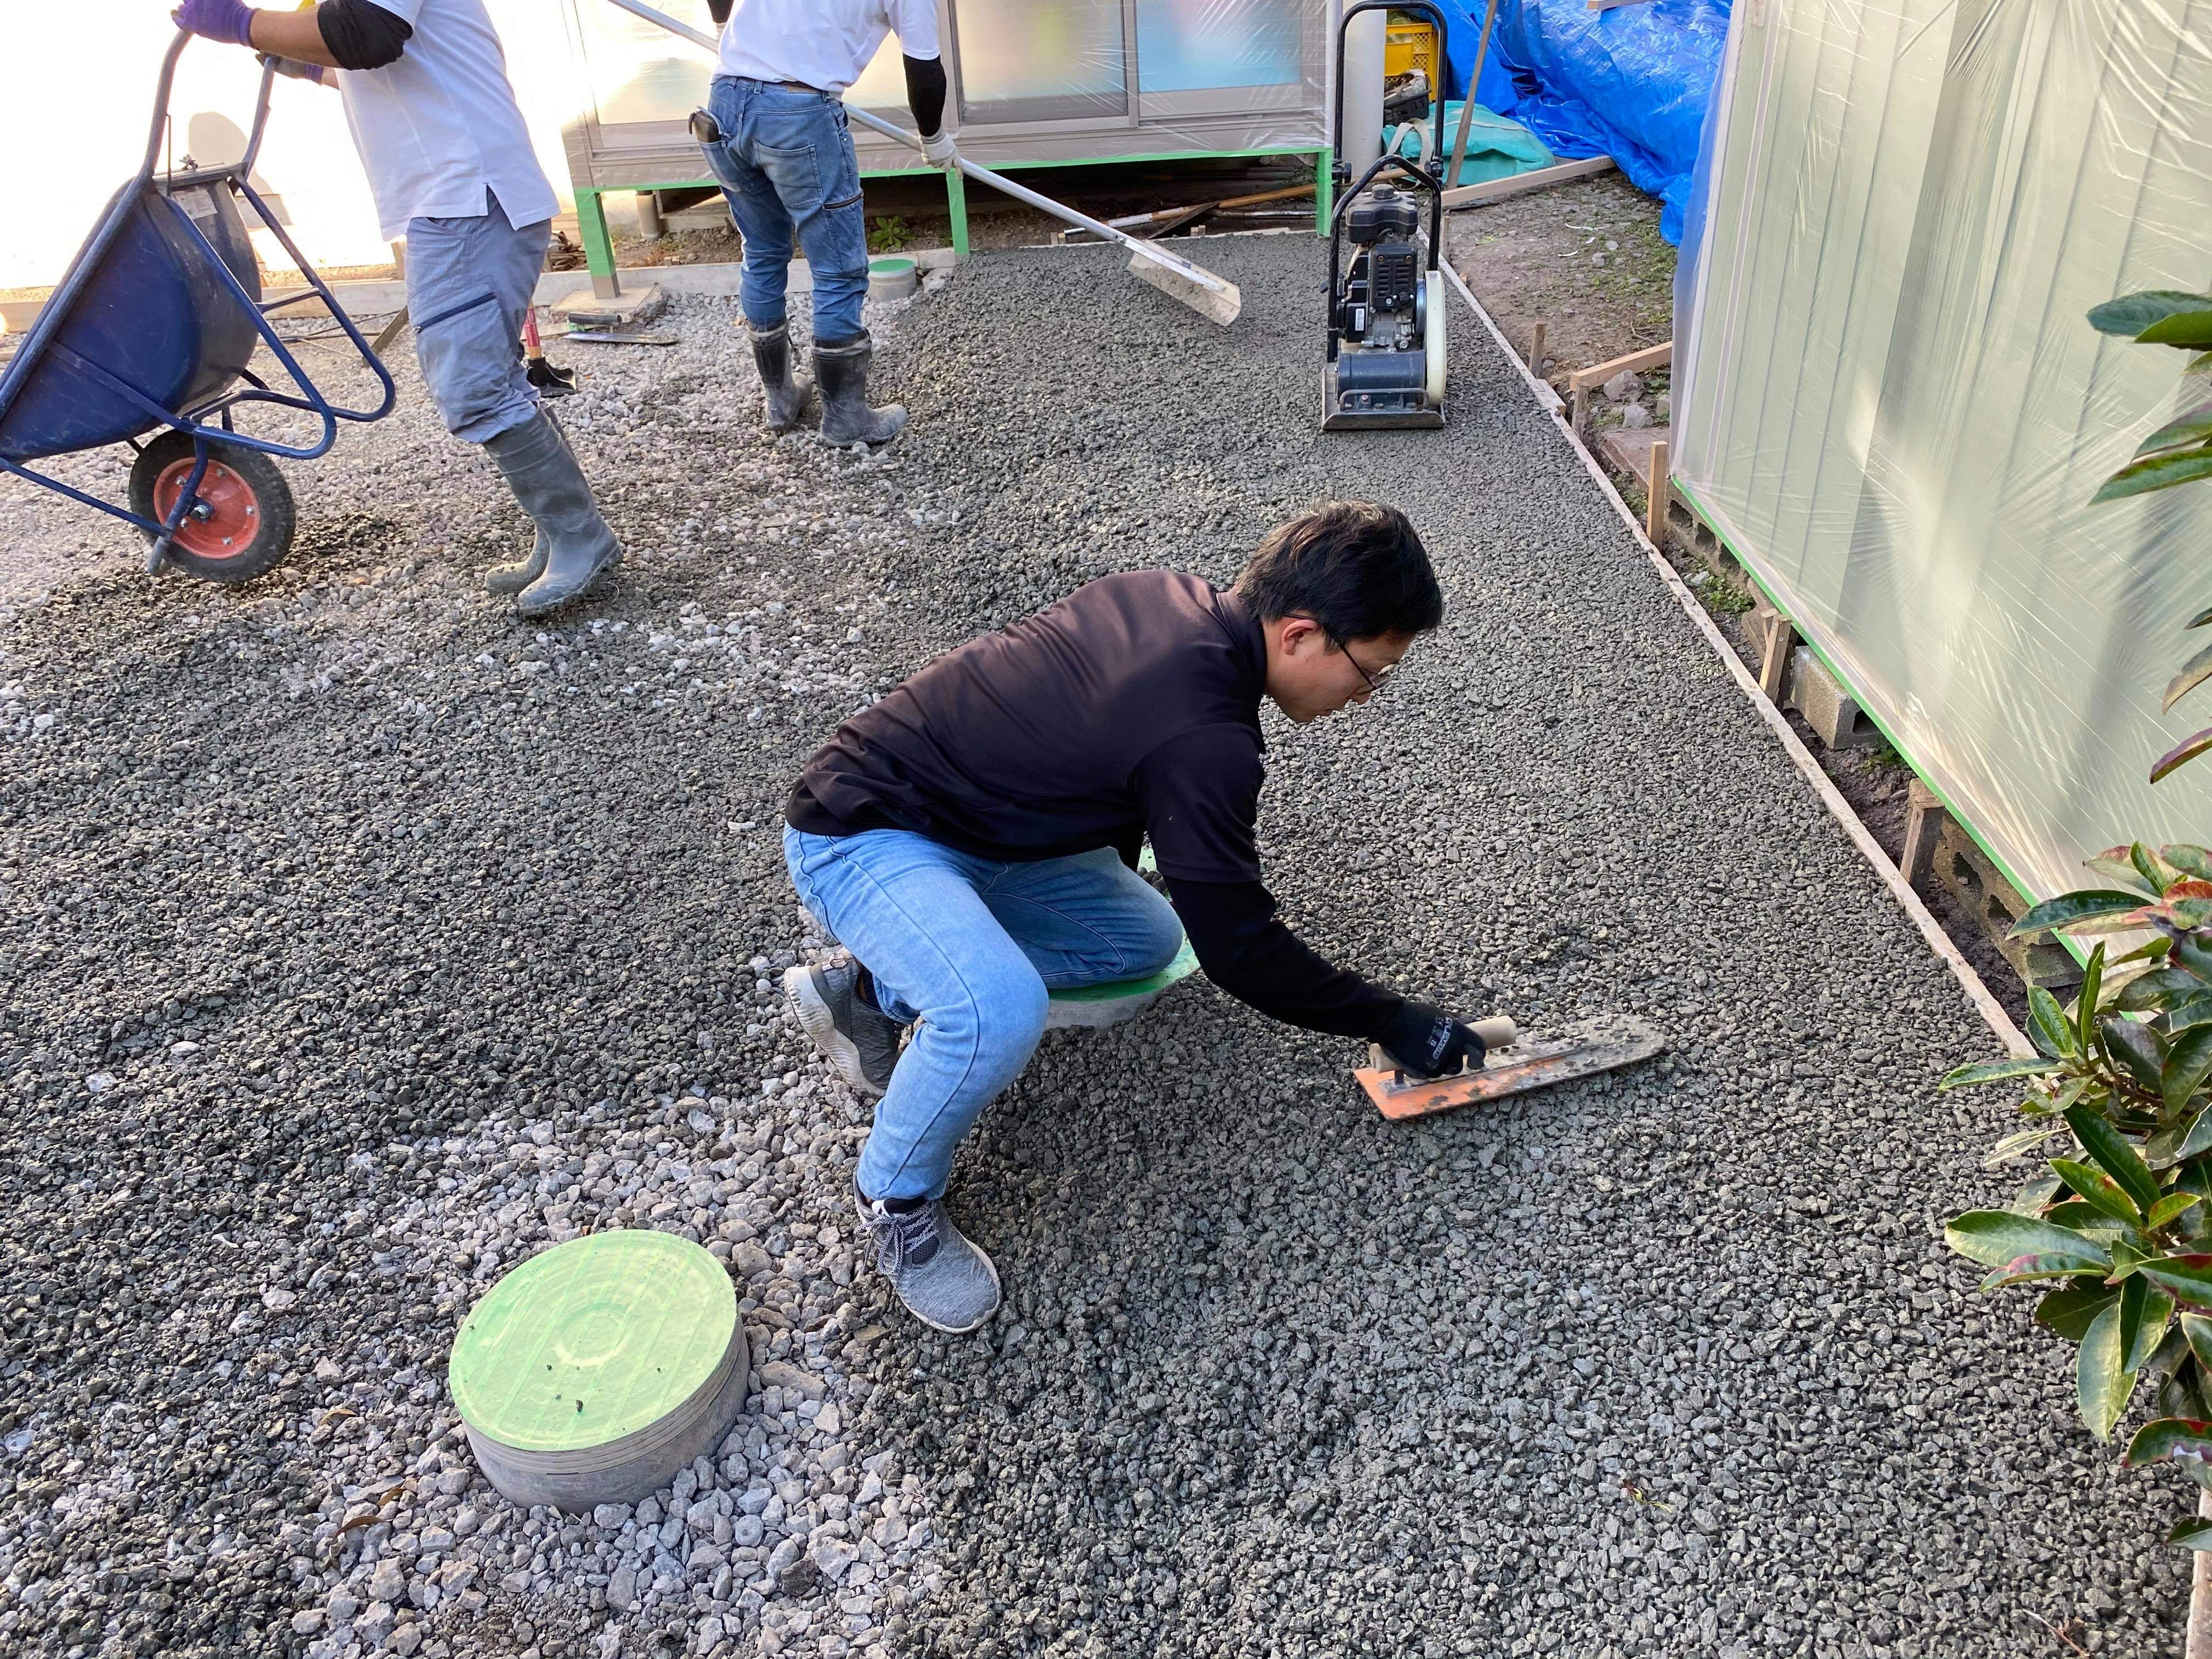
1356, 567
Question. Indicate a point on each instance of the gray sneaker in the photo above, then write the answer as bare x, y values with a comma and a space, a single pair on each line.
861, 1040
945, 1282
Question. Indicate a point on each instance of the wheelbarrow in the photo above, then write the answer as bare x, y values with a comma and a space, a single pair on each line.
152, 330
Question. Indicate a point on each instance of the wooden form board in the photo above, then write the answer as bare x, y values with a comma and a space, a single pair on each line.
1497, 189
1580, 382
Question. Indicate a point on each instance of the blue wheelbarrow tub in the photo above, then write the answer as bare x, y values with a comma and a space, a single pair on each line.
143, 302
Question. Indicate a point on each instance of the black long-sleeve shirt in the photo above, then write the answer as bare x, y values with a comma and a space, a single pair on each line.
1131, 708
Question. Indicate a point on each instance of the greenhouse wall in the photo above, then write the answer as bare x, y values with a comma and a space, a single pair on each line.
1891, 407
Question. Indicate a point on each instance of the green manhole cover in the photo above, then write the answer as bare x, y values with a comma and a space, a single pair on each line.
593, 1340
1185, 964
891, 267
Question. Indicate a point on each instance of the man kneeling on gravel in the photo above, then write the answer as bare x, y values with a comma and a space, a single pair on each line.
970, 839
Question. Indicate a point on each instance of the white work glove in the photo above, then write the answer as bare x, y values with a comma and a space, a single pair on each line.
938, 149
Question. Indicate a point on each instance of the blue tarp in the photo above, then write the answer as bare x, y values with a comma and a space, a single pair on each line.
1631, 81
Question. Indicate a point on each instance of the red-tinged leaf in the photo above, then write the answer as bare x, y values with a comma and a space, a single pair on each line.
2184, 1278
2190, 860
2194, 427
2069, 910
2158, 472
2169, 1437
2114, 863
2131, 313
2181, 753
2098, 1191
2030, 1268
1998, 1238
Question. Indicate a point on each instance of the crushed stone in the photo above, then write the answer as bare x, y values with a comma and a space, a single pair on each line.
362, 939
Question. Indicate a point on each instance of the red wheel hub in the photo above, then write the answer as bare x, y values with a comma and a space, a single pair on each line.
226, 519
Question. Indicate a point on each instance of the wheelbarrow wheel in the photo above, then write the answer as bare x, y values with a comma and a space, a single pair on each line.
245, 516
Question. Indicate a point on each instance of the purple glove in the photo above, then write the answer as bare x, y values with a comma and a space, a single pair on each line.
228, 21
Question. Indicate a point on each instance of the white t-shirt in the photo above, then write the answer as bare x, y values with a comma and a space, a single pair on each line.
441, 124
825, 43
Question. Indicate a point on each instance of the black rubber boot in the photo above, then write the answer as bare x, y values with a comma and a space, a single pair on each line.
510, 579
786, 398
541, 472
841, 369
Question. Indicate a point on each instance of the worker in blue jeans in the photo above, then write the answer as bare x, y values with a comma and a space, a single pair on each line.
449, 161
775, 136
970, 840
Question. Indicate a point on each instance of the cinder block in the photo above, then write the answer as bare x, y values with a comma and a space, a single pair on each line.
1835, 718
1984, 893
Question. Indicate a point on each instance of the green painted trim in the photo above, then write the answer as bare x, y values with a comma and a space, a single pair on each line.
1706, 517
956, 208
592, 226
1324, 190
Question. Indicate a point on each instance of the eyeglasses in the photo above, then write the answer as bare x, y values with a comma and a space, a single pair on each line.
1376, 680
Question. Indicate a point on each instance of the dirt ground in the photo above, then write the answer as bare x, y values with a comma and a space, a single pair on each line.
1585, 259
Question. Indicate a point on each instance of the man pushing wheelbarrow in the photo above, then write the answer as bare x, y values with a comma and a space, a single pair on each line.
450, 164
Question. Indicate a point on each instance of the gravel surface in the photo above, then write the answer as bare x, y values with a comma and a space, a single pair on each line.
362, 939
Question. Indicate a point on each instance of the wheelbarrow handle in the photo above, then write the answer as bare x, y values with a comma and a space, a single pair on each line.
161, 111
162, 104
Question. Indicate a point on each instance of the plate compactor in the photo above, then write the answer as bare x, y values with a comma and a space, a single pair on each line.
1386, 305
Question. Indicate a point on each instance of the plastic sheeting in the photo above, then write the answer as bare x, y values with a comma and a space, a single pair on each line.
1889, 402
1631, 81
1036, 80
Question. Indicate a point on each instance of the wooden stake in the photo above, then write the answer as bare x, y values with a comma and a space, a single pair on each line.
1780, 640
1537, 351
1636, 362
1923, 823
1655, 513
1497, 189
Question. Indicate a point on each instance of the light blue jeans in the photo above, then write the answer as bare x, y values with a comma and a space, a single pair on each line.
785, 162
970, 947
468, 287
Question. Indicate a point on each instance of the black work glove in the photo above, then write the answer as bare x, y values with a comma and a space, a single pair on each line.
718, 10
1425, 1042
